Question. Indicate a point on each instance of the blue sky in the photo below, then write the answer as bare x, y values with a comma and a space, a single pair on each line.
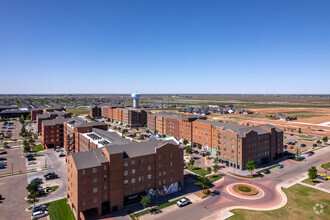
165, 46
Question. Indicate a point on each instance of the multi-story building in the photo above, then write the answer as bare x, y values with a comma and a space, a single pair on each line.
43, 110
49, 116
95, 112
52, 132
235, 144
130, 117
106, 179
77, 125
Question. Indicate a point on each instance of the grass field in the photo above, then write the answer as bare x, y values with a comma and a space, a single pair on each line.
310, 182
198, 170
301, 200
60, 210
78, 111
214, 177
38, 147
326, 166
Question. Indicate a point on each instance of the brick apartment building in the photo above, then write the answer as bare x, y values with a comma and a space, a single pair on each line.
43, 110
49, 116
95, 112
77, 125
234, 144
130, 117
106, 179
52, 132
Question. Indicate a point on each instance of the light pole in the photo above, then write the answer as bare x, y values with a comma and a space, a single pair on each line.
45, 163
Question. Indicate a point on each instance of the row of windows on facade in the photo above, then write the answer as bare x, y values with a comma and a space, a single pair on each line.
142, 178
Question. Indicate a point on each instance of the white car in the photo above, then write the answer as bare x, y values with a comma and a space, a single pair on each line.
31, 162
183, 202
39, 214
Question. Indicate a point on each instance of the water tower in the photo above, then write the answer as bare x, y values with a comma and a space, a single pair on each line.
135, 97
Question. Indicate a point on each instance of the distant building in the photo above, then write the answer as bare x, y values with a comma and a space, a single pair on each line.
49, 116
95, 112
106, 179
43, 110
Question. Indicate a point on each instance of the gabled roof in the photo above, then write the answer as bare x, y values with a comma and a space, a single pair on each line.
89, 159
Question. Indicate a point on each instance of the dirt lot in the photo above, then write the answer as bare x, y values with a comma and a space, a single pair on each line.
309, 119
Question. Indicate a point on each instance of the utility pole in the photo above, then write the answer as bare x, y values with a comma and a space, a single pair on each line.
45, 163
12, 168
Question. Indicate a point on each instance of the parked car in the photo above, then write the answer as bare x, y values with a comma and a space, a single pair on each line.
39, 208
2, 167
6, 146
183, 202
32, 144
37, 180
266, 172
196, 151
61, 154
31, 162
3, 158
51, 176
3, 152
311, 152
285, 146
39, 214
3, 163
322, 177
302, 145
305, 155
280, 166
31, 158
314, 145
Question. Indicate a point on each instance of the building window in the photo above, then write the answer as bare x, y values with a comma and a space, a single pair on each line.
95, 170
125, 173
105, 167
84, 203
160, 165
125, 182
232, 146
149, 159
125, 164
83, 172
133, 180
160, 182
141, 161
133, 171
133, 162
95, 200
94, 180
149, 176
149, 167
171, 155
149, 185
133, 189
95, 190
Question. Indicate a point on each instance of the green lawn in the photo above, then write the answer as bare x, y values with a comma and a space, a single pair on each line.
60, 210
78, 111
310, 182
326, 166
199, 171
214, 177
38, 147
301, 200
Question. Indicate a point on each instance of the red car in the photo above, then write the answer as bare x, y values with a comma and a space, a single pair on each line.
6, 146
32, 144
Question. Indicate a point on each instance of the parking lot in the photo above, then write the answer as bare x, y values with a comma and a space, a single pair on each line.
13, 188
5, 129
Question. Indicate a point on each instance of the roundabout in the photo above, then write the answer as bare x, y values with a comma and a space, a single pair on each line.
245, 191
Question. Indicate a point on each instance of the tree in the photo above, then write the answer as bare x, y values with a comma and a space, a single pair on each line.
134, 135
31, 140
115, 128
251, 165
141, 137
185, 142
125, 131
207, 153
147, 131
216, 168
209, 169
145, 201
5, 143
21, 120
28, 117
119, 128
299, 131
325, 139
203, 182
32, 188
191, 162
155, 132
27, 148
318, 142
188, 150
216, 160
312, 173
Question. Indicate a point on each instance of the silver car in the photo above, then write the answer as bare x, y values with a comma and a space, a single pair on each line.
39, 214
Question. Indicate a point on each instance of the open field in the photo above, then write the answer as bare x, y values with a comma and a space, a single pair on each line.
78, 111
301, 201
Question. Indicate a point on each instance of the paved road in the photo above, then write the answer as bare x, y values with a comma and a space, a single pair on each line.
268, 184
